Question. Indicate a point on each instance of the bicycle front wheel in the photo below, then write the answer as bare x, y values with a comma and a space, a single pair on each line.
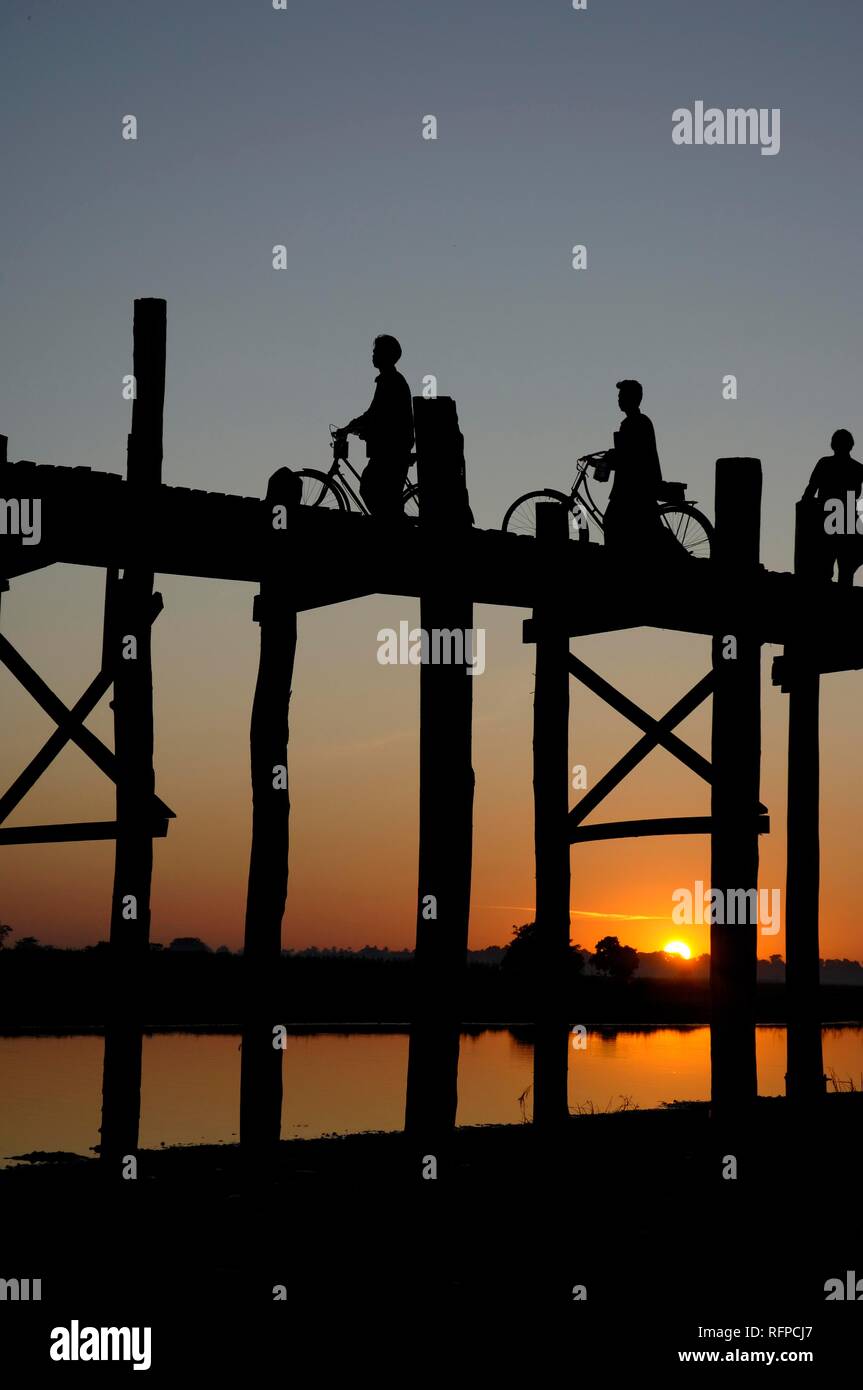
320, 491
521, 517
411, 501
689, 527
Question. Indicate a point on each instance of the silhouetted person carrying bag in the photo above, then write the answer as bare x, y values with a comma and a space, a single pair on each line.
387, 428
632, 523
833, 491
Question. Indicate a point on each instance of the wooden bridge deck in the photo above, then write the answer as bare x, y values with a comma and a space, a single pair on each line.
93, 518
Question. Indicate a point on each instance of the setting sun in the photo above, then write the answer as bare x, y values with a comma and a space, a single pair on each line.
677, 948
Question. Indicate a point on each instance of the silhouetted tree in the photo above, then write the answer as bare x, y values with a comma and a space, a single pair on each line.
5, 930
522, 952
28, 943
618, 962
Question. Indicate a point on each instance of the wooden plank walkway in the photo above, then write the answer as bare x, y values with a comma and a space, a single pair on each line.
89, 518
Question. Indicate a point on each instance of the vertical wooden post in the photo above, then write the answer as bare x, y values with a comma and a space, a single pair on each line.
736, 760
446, 787
129, 615
261, 1060
551, 779
4, 582
804, 1080
4, 445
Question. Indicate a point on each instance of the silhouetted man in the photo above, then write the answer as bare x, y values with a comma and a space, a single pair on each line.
632, 518
387, 428
837, 479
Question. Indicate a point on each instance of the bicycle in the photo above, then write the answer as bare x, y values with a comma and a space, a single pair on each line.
333, 490
690, 527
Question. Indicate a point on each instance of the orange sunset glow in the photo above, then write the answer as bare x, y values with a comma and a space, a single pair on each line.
354, 782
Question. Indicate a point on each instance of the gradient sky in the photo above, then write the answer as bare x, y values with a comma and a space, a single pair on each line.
303, 127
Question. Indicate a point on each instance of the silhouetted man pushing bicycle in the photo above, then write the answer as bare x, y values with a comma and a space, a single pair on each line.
632, 516
387, 429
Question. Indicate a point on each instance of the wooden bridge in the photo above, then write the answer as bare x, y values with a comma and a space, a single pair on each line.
135, 527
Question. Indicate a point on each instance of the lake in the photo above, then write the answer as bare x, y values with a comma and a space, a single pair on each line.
341, 1083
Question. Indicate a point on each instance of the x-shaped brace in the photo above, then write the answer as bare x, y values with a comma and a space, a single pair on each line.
70, 729
657, 733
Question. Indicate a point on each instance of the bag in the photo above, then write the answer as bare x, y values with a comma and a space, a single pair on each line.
671, 492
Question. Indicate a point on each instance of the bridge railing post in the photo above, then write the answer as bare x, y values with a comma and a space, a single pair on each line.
129, 614
804, 1079
551, 780
4, 447
736, 763
274, 611
446, 778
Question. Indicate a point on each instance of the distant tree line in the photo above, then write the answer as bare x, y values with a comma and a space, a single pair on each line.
609, 959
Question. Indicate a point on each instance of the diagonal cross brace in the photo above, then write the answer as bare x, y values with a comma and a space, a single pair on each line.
657, 733
70, 728
57, 741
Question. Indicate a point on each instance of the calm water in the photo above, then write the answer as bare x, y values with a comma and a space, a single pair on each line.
342, 1083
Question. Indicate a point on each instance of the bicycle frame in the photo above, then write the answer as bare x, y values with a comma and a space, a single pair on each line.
339, 479
580, 492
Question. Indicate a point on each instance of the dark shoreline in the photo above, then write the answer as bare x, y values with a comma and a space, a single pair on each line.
514, 1220
470, 1029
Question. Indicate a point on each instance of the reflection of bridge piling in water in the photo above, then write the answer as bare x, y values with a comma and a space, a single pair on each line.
138, 527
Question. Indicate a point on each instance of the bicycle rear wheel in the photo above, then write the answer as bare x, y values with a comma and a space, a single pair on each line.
321, 492
520, 519
689, 527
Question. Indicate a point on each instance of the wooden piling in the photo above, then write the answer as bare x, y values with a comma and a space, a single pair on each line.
130, 610
261, 1058
736, 761
446, 785
804, 1079
4, 445
551, 781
